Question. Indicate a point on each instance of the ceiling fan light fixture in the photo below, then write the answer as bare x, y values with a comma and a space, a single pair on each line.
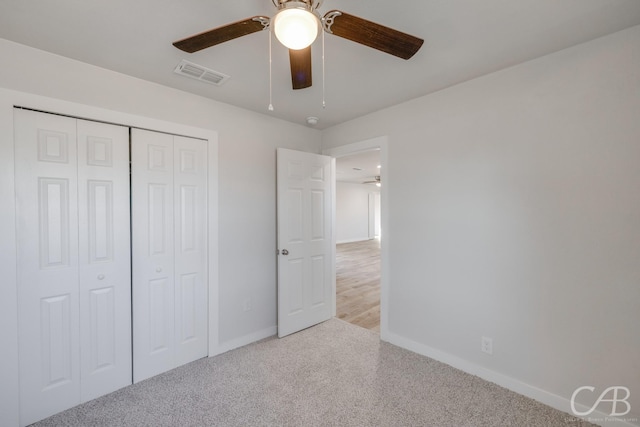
296, 26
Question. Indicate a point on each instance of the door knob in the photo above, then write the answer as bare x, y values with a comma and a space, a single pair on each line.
285, 252
100, 276
158, 269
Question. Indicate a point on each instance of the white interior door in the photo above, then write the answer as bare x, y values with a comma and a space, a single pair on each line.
372, 216
48, 282
190, 249
377, 215
152, 218
306, 253
169, 248
73, 289
105, 258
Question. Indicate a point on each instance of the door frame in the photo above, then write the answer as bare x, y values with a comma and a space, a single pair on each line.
381, 143
9, 402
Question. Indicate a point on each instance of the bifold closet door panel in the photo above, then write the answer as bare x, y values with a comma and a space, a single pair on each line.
47, 236
105, 259
72, 191
190, 189
169, 251
153, 253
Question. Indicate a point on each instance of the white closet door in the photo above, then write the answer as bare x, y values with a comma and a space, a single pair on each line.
73, 260
105, 260
169, 252
153, 259
190, 183
47, 229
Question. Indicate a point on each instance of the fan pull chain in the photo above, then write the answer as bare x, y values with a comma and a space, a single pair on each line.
270, 82
324, 104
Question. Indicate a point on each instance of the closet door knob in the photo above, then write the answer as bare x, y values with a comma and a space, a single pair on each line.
100, 276
158, 269
285, 252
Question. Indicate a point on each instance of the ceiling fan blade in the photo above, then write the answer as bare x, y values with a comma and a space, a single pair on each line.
221, 34
374, 35
300, 67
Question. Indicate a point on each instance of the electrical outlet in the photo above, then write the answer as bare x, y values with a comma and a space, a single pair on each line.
487, 345
246, 306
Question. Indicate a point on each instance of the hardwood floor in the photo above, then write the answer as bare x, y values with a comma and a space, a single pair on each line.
358, 283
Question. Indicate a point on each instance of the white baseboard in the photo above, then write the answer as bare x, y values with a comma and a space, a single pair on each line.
244, 340
557, 402
363, 239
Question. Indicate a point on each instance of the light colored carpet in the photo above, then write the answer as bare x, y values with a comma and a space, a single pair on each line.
334, 374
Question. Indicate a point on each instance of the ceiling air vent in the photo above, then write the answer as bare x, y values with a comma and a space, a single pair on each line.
198, 72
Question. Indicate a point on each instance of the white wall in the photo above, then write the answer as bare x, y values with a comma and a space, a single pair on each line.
352, 211
247, 217
526, 224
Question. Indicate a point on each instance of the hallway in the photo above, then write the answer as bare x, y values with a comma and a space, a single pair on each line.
358, 283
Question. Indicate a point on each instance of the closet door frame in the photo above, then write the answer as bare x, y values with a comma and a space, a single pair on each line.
9, 372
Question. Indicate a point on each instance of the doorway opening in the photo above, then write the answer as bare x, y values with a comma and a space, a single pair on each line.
379, 144
358, 234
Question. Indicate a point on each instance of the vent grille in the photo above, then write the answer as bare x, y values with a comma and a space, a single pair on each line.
198, 72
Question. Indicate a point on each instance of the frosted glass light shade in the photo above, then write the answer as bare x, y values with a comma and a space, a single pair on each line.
295, 28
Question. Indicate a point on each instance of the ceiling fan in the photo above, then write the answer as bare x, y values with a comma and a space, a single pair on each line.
376, 181
296, 26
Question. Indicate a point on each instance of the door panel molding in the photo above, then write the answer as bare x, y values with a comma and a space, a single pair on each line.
170, 275
9, 101
105, 258
64, 325
305, 194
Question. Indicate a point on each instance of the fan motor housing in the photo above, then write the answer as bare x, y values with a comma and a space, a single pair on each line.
308, 4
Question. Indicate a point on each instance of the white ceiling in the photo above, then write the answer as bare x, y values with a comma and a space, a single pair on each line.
358, 167
464, 39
